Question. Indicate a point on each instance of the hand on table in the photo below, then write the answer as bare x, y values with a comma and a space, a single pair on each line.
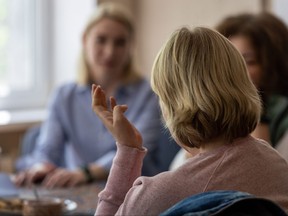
114, 120
33, 175
50, 176
61, 177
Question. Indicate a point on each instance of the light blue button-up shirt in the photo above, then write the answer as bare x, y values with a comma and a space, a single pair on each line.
73, 135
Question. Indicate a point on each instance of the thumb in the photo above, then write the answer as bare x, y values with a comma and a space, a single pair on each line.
118, 112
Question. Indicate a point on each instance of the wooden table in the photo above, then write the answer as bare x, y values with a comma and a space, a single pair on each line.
85, 196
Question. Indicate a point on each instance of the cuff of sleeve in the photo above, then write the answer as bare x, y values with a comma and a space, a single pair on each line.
127, 155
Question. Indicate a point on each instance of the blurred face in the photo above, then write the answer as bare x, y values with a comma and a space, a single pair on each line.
245, 47
107, 49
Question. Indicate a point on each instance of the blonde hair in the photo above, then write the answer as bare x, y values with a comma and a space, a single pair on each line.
118, 13
204, 88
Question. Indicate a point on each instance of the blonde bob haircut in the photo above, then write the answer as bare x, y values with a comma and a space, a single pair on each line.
204, 88
117, 13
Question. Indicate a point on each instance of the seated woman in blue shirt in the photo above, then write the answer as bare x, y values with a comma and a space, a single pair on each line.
73, 146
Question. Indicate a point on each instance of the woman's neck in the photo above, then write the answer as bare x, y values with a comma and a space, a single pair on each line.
213, 144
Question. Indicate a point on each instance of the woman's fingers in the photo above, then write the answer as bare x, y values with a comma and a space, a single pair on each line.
98, 97
113, 102
100, 107
114, 120
63, 178
57, 178
124, 132
118, 113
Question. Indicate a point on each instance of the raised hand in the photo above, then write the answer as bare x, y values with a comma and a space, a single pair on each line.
114, 120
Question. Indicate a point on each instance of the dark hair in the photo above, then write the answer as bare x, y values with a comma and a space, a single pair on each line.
269, 37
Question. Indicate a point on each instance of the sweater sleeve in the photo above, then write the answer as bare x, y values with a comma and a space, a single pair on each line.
126, 167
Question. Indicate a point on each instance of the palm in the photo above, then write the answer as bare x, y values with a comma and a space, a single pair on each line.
114, 120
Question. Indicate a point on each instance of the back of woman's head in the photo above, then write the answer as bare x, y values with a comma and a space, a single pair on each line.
116, 12
269, 37
204, 88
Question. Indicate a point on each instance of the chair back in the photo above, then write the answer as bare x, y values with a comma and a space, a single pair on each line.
224, 203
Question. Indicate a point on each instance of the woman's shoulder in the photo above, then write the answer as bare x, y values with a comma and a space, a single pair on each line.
140, 83
256, 151
249, 144
139, 92
65, 93
69, 89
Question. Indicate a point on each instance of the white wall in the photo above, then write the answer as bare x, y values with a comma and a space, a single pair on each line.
156, 19
280, 8
69, 20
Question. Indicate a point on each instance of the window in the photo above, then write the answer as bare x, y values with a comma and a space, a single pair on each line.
23, 53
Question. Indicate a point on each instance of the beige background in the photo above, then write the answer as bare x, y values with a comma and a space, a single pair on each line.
157, 19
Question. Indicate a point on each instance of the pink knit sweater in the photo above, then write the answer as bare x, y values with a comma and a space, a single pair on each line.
248, 165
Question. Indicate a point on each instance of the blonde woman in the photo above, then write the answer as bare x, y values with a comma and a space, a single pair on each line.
208, 102
74, 147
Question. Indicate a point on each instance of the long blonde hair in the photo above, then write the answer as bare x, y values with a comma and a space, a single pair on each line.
120, 14
204, 88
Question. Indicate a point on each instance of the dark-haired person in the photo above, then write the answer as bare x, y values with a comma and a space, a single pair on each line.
262, 39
